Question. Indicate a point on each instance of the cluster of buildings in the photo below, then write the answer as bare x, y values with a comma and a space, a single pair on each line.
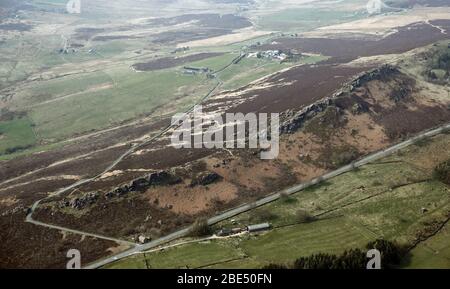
276, 54
270, 54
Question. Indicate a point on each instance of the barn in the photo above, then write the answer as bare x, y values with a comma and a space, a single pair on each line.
258, 227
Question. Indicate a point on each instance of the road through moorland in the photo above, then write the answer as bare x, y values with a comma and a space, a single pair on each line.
29, 217
135, 147
292, 190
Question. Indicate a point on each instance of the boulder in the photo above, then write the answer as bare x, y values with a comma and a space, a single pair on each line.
139, 184
359, 108
381, 73
81, 202
143, 183
163, 178
205, 178
295, 121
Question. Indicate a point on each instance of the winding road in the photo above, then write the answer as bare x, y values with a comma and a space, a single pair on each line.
134, 148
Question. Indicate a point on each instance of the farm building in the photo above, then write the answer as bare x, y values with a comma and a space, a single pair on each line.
227, 232
224, 232
258, 227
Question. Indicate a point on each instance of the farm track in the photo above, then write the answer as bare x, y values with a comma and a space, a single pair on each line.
29, 217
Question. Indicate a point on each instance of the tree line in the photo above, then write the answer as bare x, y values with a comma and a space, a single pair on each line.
392, 254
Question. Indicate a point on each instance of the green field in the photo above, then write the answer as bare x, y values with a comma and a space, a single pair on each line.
433, 253
15, 135
350, 210
215, 63
38, 92
81, 102
185, 256
308, 18
132, 95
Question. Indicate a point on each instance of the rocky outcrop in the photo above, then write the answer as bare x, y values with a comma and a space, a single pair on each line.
161, 178
384, 72
81, 202
293, 121
138, 185
359, 108
205, 178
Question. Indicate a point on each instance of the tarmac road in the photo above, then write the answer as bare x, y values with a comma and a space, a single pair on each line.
241, 209
29, 217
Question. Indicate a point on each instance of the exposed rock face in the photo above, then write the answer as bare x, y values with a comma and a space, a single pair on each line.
382, 73
205, 178
400, 93
386, 72
137, 185
82, 202
359, 108
294, 121
161, 178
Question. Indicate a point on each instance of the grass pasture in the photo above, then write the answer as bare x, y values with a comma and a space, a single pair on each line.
79, 103
16, 134
308, 18
433, 253
282, 244
134, 95
192, 255
214, 63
